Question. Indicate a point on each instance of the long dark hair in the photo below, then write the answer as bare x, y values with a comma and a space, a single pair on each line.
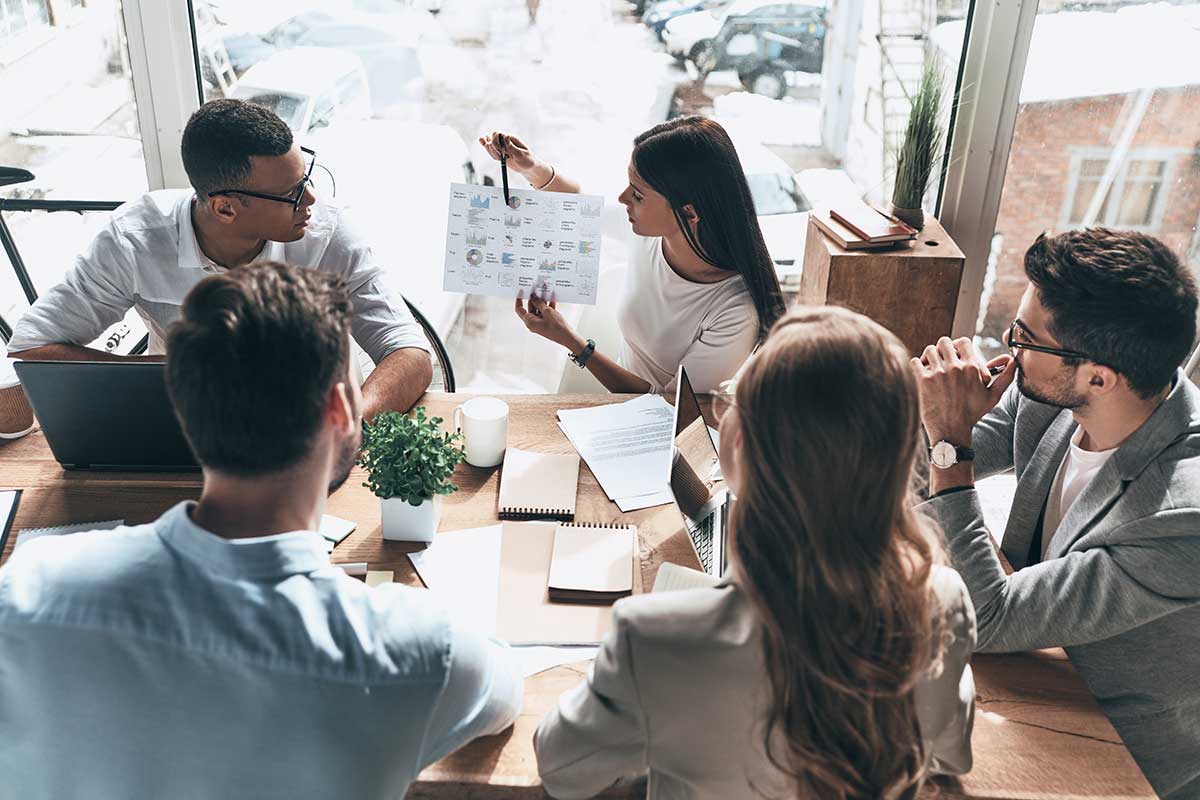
691, 160
834, 557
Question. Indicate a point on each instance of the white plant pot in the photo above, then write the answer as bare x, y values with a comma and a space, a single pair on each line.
404, 522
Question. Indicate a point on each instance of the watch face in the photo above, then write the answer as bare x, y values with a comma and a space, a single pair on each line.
943, 455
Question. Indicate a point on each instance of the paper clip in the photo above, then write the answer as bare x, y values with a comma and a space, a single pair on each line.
503, 167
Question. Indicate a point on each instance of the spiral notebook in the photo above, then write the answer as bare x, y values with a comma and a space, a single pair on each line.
592, 563
526, 613
538, 485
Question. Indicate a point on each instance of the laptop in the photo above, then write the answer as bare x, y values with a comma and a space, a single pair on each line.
101, 415
696, 481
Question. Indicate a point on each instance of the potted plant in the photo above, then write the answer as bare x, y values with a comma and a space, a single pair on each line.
921, 149
409, 460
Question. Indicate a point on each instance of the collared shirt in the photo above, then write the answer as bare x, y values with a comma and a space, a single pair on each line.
164, 661
147, 258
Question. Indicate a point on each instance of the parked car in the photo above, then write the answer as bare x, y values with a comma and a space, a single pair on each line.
308, 87
386, 43
688, 34
763, 44
778, 202
659, 14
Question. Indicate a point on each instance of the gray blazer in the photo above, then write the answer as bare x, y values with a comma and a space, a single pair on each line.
679, 689
1120, 591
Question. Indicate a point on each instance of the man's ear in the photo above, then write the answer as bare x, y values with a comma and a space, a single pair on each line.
340, 408
1101, 380
223, 208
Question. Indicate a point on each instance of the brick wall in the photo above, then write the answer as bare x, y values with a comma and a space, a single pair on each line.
1039, 168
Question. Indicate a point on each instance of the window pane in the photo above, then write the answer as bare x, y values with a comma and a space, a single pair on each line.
70, 119
1110, 93
814, 95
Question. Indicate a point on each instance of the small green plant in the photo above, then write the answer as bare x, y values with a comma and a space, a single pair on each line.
409, 457
922, 142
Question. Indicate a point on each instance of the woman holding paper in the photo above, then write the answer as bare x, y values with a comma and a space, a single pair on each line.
832, 660
701, 288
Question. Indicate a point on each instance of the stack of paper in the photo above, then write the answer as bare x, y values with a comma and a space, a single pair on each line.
627, 446
462, 570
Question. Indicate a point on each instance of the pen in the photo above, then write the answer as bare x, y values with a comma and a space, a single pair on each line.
997, 369
503, 166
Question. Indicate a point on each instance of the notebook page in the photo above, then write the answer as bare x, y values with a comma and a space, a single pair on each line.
592, 558
538, 484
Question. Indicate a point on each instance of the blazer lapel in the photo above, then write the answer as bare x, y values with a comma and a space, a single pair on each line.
1176, 416
1033, 486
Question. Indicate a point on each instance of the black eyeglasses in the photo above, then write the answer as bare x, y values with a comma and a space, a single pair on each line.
1013, 344
297, 195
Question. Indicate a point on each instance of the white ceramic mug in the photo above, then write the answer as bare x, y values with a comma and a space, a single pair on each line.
484, 424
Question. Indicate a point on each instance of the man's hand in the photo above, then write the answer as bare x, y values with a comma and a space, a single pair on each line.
953, 381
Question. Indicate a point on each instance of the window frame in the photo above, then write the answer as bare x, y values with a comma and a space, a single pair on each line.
1166, 156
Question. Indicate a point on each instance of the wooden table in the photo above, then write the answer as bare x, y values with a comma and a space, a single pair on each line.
1038, 731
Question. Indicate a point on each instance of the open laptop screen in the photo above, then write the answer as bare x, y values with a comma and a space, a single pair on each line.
696, 480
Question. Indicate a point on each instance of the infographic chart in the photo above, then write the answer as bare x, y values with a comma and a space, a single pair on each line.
540, 243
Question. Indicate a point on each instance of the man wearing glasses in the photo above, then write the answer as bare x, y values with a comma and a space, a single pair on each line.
251, 199
1103, 432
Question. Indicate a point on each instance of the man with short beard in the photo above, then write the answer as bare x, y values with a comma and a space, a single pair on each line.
1103, 431
216, 652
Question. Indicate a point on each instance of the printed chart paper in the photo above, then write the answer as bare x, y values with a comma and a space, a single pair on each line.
543, 243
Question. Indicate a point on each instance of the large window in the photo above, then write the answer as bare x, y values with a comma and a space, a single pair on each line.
394, 94
70, 119
1106, 134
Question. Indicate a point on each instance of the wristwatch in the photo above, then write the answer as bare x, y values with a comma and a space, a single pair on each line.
584, 355
945, 455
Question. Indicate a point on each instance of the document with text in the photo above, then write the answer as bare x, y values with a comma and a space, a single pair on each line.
539, 243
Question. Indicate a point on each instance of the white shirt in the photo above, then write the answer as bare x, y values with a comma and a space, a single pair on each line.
666, 320
147, 258
1077, 469
164, 661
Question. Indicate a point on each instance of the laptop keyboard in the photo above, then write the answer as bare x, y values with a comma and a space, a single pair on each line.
702, 538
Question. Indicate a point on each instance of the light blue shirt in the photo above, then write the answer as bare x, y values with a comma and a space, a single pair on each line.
163, 661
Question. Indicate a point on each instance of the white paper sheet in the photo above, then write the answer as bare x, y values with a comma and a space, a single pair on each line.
335, 528
674, 578
8, 499
462, 569
544, 243
539, 658
626, 445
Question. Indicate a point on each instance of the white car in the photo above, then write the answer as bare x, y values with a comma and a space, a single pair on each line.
308, 87
782, 200
688, 35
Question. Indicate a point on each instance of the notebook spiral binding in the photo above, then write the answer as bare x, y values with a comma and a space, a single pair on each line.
612, 525
536, 513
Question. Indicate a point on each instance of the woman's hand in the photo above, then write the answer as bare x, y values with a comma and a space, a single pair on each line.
520, 159
543, 319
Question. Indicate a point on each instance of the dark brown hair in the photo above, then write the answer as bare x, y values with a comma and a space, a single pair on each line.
1122, 297
251, 361
691, 160
222, 135
832, 554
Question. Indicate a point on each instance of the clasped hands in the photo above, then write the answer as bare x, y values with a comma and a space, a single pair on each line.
957, 389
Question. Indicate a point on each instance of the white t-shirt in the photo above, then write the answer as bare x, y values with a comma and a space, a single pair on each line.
1077, 469
665, 319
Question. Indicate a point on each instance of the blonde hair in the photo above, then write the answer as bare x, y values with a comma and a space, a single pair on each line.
833, 556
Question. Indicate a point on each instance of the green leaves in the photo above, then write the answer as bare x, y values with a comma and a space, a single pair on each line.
409, 456
922, 146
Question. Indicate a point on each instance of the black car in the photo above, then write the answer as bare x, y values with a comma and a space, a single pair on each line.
764, 44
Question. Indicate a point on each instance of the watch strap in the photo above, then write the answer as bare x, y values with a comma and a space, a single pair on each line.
582, 359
